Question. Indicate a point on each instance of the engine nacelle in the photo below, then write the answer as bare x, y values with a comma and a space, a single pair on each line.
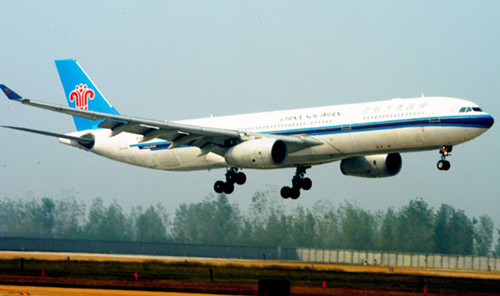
259, 153
372, 166
86, 145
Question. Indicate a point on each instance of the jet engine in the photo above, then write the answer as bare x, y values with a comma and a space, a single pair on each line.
85, 142
372, 166
258, 153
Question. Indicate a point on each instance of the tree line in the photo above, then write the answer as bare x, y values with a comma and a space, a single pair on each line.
415, 227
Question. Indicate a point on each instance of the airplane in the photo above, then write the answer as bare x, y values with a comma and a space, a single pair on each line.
367, 138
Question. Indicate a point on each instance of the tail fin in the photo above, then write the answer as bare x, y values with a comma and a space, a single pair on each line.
82, 93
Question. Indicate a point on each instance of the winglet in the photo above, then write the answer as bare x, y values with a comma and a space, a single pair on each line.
12, 95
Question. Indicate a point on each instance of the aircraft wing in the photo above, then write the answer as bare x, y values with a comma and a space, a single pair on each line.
179, 134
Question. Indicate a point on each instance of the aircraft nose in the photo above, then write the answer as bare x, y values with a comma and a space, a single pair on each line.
489, 121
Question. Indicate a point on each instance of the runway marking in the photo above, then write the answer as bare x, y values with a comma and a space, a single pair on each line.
10, 292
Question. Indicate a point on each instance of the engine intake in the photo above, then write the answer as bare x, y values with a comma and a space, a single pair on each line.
259, 153
372, 166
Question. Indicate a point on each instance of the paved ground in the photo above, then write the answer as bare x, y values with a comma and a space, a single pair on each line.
49, 291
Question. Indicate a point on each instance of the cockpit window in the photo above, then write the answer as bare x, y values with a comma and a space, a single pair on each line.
470, 109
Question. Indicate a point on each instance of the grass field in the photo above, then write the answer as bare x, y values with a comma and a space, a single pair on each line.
234, 277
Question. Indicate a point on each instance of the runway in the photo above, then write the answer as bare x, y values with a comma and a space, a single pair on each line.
237, 276
50, 291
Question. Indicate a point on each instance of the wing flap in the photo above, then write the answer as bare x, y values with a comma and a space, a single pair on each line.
94, 115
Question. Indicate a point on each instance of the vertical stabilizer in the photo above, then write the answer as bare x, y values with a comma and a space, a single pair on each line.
82, 93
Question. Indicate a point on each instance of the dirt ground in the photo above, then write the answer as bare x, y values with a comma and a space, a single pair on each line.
234, 276
258, 263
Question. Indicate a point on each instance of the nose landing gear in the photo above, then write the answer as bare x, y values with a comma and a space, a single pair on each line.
232, 177
299, 181
443, 164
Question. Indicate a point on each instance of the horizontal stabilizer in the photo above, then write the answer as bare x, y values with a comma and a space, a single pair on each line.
12, 95
81, 140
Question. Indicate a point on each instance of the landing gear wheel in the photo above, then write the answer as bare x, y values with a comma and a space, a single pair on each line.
296, 182
443, 165
294, 193
306, 184
232, 177
219, 186
285, 192
299, 181
240, 178
229, 188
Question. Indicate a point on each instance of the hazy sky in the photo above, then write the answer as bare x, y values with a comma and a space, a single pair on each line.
187, 59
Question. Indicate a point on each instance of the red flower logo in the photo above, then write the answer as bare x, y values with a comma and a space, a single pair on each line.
81, 96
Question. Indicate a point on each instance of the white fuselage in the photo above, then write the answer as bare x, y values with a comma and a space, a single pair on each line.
397, 125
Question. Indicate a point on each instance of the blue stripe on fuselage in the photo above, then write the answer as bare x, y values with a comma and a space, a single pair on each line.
153, 146
481, 121
477, 121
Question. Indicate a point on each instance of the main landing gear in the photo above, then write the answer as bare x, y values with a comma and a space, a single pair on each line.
232, 177
443, 164
299, 181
